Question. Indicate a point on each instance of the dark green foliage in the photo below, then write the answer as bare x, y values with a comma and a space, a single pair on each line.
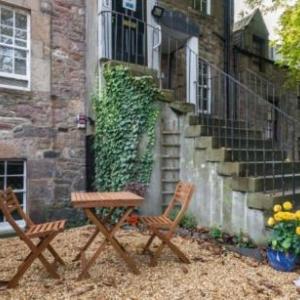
126, 116
284, 237
187, 222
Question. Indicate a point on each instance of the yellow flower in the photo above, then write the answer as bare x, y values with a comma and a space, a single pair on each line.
271, 222
277, 208
298, 230
284, 216
287, 205
278, 217
297, 214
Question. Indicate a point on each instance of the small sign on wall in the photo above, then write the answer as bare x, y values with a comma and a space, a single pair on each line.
129, 4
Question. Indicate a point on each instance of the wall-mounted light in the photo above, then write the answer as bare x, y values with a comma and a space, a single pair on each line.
81, 121
158, 12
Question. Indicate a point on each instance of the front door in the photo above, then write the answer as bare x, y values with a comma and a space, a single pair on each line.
129, 32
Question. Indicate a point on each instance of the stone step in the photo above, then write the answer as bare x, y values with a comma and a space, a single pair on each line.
170, 173
170, 132
265, 184
213, 121
170, 169
202, 130
248, 155
171, 137
169, 185
205, 142
171, 145
170, 176
266, 201
246, 169
172, 151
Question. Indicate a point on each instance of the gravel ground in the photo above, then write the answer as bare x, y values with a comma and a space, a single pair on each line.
213, 274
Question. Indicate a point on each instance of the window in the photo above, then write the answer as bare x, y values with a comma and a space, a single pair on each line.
13, 174
259, 50
204, 88
14, 48
204, 6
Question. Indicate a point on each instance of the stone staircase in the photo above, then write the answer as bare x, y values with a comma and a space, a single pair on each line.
170, 163
256, 164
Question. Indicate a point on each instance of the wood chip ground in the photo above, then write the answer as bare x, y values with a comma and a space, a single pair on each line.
214, 273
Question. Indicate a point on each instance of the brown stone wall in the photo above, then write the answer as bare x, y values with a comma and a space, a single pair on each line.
39, 125
211, 43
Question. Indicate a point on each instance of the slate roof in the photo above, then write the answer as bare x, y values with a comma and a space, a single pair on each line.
244, 22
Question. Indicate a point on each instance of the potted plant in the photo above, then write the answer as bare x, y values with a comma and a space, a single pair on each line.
284, 244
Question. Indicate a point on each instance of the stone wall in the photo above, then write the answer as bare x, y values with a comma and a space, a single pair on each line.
211, 43
39, 125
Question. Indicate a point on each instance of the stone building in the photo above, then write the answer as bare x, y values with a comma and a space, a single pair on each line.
42, 90
215, 129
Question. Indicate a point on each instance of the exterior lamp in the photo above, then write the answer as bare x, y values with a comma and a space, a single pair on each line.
158, 12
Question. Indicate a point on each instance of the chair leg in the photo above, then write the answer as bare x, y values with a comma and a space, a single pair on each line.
36, 252
55, 255
147, 246
156, 255
175, 249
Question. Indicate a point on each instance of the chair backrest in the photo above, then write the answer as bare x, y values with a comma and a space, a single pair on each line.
183, 195
9, 204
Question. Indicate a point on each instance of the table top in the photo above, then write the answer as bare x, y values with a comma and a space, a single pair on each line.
106, 199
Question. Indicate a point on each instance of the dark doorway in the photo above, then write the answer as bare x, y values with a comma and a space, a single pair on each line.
129, 33
90, 163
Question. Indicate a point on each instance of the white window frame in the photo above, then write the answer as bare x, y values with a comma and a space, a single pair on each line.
27, 77
200, 2
5, 226
208, 88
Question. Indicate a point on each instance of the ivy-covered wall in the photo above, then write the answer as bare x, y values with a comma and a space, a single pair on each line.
126, 113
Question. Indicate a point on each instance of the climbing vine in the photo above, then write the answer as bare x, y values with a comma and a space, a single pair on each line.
126, 116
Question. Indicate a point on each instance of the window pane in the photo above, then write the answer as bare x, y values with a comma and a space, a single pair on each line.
21, 21
20, 43
7, 17
6, 40
6, 64
20, 197
20, 54
1, 183
15, 182
21, 34
6, 31
20, 66
1, 217
16, 216
1, 167
15, 168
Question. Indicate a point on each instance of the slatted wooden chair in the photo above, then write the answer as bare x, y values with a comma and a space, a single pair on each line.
163, 227
45, 233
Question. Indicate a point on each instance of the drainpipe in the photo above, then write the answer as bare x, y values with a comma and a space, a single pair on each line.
228, 15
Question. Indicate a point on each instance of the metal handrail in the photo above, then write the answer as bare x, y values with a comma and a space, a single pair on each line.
256, 131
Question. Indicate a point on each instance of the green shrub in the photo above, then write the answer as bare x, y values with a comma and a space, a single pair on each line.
125, 122
187, 222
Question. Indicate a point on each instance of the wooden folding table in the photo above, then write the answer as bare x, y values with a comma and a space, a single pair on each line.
112, 200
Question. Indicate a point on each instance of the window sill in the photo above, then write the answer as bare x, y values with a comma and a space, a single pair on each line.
200, 14
6, 229
15, 91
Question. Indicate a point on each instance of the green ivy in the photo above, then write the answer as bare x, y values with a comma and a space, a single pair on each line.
125, 116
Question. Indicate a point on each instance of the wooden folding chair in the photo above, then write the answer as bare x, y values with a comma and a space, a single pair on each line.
163, 227
45, 233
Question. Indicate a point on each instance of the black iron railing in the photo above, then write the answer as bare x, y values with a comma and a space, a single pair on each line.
245, 121
252, 128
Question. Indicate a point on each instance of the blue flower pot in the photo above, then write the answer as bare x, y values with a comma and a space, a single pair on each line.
281, 261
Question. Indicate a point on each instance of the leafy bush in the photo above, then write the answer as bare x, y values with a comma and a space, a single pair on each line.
187, 222
216, 233
125, 122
